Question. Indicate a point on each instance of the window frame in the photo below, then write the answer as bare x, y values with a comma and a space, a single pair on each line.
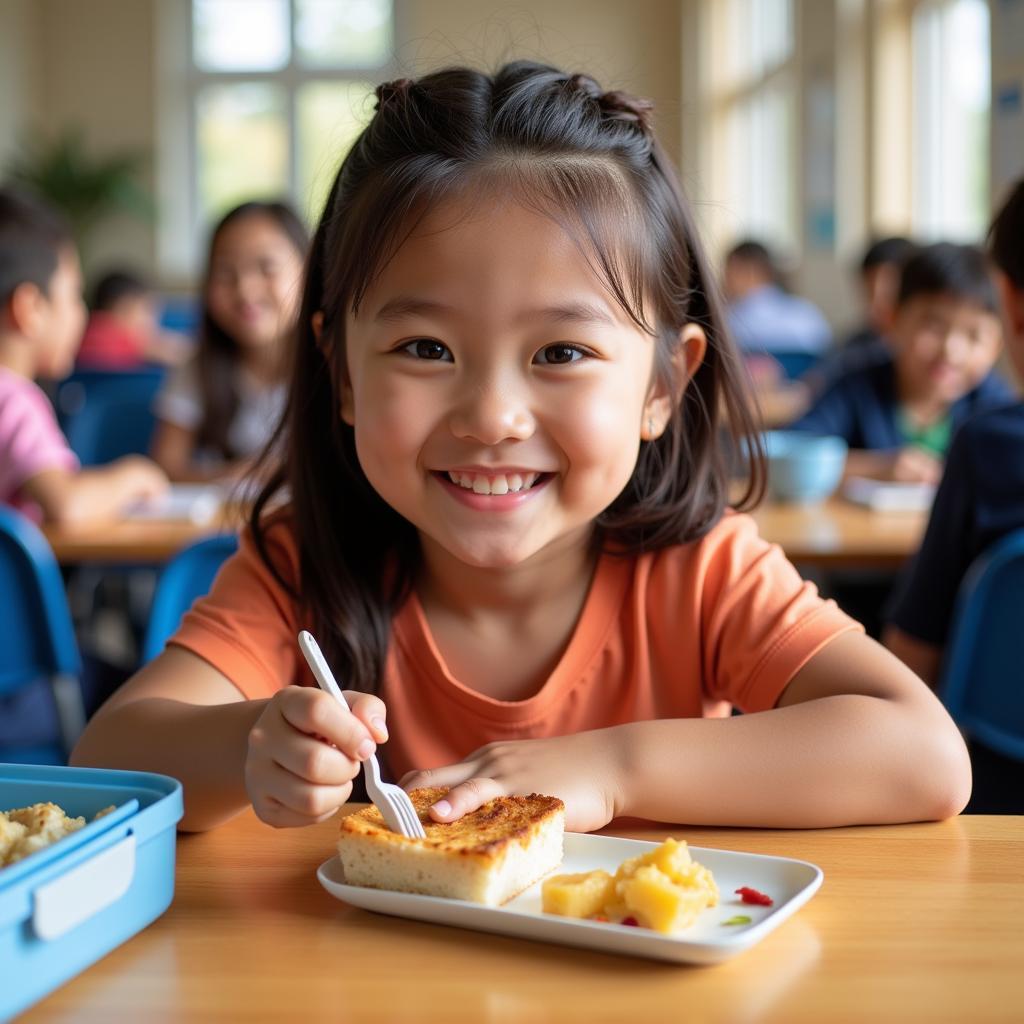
180, 82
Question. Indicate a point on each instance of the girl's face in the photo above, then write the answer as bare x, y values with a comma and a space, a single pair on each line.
497, 391
253, 288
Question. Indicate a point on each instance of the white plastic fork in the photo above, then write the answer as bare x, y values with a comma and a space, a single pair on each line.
392, 801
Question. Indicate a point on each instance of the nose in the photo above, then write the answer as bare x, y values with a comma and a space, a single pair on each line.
492, 411
955, 346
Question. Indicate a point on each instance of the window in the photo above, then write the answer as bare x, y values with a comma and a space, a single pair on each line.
951, 119
260, 99
753, 111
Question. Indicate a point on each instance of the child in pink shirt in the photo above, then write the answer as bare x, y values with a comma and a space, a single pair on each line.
41, 320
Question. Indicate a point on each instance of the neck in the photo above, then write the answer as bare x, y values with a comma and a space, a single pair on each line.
554, 575
16, 355
263, 362
923, 408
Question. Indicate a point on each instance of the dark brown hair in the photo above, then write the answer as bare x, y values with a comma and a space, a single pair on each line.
218, 355
590, 160
32, 234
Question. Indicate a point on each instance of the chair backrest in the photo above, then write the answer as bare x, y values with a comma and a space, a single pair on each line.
187, 576
107, 414
37, 637
983, 676
37, 641
796, 364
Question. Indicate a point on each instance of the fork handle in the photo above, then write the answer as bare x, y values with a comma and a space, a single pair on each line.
319, 667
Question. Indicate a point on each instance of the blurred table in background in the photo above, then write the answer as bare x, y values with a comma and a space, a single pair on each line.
837, 533
833, 533
132, 541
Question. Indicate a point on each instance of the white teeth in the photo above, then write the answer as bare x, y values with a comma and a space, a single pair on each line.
480, 484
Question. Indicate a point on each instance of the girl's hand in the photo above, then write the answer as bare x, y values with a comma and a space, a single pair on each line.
584, 770
305, 750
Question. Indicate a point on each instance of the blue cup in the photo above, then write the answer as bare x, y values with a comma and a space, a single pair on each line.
802, 467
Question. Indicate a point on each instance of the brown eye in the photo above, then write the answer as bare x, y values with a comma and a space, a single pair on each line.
427, 348
558, 355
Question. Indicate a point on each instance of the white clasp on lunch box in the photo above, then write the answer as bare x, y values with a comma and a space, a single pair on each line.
85, 890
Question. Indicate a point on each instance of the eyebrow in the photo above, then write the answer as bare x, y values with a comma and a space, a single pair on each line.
582, 313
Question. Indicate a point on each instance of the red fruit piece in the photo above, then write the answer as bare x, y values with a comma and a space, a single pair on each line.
748, 895
631, 921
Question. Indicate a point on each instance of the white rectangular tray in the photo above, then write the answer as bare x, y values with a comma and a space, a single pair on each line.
790, 883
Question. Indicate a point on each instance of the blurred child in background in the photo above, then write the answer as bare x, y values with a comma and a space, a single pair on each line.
763, 316
124, 331
219, 410
898, 411
41, 321
980, 499
879, 283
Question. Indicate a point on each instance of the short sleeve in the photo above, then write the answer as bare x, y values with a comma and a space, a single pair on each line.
761, 621
178, 401
246, 626
30, 440
926, 594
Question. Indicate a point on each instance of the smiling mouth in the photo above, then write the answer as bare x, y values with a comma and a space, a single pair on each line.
497, 483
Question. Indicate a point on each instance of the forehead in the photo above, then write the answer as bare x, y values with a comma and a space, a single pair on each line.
496, 255
254, 231
951, 307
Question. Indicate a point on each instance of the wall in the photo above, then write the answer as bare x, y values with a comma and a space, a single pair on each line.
1007, 140
19, 85
633, 46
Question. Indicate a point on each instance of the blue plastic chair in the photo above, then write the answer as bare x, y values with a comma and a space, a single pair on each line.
187, 576
982, 682
795, 364
37, 639
106, 414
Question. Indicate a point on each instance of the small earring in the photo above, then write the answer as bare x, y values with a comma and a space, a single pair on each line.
650, 428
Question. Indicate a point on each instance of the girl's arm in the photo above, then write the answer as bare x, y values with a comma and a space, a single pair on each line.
292, 756
855, 738
922, 658
95, 494
172, 448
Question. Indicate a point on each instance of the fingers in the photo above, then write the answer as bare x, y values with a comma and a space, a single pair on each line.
441, 778
466, 797
316, 713
371, 711
299, 803
315, 761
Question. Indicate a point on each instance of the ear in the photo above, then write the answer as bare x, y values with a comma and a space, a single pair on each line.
666, 395
339, 374
26, 309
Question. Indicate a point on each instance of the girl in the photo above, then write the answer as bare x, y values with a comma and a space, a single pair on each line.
218, 412
506, 515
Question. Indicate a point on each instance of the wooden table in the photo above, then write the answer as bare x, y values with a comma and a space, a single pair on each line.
912, 923
834, 533
130, 541
837, 533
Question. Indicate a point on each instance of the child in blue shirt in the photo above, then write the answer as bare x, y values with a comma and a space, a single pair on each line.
899, 405
980, 499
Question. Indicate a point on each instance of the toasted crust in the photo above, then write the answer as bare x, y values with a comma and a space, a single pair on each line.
487, 856
484, 833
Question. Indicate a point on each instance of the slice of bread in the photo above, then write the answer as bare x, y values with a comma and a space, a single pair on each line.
487, 856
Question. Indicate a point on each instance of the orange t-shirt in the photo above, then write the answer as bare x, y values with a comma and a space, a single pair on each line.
683, 632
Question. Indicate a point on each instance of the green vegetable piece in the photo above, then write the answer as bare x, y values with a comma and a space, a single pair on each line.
738, 919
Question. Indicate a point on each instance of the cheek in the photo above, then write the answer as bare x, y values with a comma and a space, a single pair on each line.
599, 430
392, 420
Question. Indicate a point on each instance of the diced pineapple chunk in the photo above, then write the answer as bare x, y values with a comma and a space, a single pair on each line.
576, 895
657, 902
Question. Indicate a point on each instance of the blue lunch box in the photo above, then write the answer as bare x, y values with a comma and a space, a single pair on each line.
67, 905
